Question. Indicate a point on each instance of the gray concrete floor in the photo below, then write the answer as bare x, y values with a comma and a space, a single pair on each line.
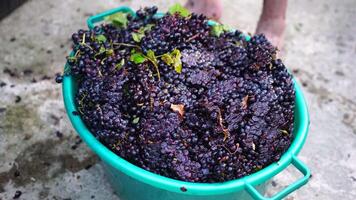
320, 48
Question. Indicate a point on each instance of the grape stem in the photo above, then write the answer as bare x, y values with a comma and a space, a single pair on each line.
128, 45
83, 39
225, 130
156, 67
228, 150
192, 38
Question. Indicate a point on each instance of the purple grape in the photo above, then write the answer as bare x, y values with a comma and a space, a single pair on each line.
233, 100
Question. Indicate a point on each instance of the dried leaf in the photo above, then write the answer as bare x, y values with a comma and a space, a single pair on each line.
178, 108
151, 103
285, 132
223, 159
244, 102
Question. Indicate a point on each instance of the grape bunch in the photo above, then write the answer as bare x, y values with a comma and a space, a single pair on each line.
183, 99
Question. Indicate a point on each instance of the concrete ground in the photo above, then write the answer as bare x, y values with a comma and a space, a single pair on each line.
41, 156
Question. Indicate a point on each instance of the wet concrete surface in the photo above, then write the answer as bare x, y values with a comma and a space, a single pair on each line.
41, 155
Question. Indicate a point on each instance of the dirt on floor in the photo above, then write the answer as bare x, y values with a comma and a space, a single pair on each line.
42, 156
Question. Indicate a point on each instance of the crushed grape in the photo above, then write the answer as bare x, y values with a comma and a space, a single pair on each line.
172, 97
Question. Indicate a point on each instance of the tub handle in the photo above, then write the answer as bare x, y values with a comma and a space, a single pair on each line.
100, 17
289, 189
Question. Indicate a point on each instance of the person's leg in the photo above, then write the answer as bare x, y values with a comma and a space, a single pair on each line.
210, 8
272, 21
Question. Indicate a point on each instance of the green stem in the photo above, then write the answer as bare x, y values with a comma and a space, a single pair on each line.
128, 45
102, 61
156, 67
87, 46
83, 39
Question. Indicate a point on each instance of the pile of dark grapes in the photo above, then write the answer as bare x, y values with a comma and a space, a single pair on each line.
183, 99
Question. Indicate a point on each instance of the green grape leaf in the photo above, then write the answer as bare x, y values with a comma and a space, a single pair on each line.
178, 68
218, 29
177, 63
148, 27
151, 56
102, 50
137, 36
173, 59
118, 19
100, 38
167, 58
177, 8
138, 58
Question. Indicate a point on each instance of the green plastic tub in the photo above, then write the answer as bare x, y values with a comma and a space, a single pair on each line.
134, 183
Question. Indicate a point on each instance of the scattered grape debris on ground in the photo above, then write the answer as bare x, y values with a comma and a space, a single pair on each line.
322, 59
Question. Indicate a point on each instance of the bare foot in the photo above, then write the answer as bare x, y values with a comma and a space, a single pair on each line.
210, 8
272, 21
273, 29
